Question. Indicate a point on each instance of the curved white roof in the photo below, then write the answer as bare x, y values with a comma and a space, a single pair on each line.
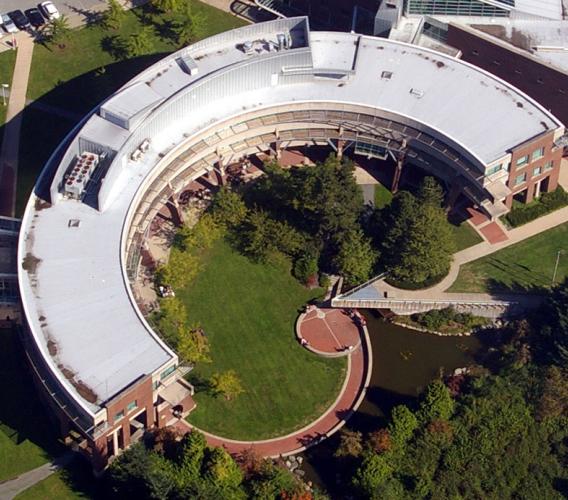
73, 283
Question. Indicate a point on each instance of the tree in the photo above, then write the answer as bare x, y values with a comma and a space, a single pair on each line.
171, 320
306, 267
554, 397
57, 31
437, 404
552, 339
402, 426
350, 444
181, 269
191, 25
167, 5
373, 471
140, 43
430, 192
228, 208
227, 384
192, 452
380, 441
193, 346
273, 481
356, 257
129, 472
220, 468
114, 15
199, 237
425, 253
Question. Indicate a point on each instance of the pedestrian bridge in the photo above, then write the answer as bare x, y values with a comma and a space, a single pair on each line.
376, 294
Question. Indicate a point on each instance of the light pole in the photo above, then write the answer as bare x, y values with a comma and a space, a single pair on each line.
4, 87
558, 254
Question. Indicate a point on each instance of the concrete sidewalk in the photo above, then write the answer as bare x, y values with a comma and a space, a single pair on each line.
12, 488
11, 140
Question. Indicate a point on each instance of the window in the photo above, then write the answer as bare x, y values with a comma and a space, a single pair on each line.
132, 405
520, 179
119, 415
523, 160
548, 165
539, 153
166, 373
494, 169
537, 170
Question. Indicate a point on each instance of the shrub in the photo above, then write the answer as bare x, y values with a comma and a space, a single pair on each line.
548, 202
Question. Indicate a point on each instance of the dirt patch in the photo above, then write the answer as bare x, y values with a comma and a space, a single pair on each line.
41, 204
30, 263
83, 389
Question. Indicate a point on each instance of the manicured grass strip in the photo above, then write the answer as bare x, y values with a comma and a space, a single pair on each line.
465, 236
248, 312
27, 438
383, 196
7, 61
526, 266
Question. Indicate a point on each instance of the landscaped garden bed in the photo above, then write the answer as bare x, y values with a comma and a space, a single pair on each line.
548, 202
445, 321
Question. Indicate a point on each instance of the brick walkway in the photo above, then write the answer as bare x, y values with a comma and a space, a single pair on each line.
352, 393
328, 331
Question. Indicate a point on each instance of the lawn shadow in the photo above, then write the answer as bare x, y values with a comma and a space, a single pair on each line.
200, 383
521, 278
22, 416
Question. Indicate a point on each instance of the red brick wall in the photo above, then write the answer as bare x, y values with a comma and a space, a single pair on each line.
551, 154
545, 84
142, 393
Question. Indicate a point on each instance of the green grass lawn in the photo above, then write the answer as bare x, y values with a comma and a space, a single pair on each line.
383, 196
248, 312
465, 236
27, 437
528, 265
7, 61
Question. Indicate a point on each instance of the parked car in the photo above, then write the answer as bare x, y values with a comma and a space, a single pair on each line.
8, 24
20, 20
35, 17
49, 10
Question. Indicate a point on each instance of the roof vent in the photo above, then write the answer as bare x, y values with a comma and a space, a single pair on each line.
386, 75
74, 223
417, 92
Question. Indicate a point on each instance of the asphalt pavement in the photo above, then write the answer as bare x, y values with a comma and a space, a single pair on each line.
67, 7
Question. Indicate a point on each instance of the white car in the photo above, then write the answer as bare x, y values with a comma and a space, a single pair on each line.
8, 24
49, 10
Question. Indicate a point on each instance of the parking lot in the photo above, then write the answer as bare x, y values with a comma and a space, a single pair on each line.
67, 7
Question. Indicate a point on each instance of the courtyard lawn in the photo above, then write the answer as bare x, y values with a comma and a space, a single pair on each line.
526, 266
27, 437
383, 196
248, 311
465, 236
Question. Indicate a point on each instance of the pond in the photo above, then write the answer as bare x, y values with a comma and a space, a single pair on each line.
404, 362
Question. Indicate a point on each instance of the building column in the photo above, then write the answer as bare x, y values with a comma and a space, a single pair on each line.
115, 442
340, 146
397, 175
455, 191
174, 207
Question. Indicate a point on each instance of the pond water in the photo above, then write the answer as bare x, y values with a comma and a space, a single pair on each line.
404, 362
